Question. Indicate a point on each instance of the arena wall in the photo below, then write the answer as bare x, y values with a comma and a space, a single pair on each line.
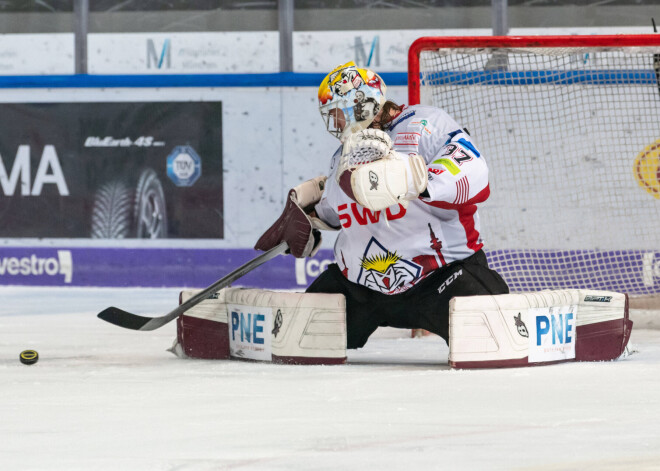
268, 138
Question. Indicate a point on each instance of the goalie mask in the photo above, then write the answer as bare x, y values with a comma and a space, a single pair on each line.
349, 99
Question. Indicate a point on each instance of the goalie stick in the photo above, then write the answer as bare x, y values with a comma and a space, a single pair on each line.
128, 320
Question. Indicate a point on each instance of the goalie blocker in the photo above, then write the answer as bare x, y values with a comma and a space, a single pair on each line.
537, 328
254, 324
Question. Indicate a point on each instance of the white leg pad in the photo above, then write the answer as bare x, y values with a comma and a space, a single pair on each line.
537, 328
254, 324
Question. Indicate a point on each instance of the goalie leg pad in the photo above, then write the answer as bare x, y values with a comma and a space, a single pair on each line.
201, 332
253, 324
537, 328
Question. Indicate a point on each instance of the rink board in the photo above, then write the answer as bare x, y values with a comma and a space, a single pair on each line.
524, 270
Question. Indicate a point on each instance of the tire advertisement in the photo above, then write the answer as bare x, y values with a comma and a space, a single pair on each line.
111, 170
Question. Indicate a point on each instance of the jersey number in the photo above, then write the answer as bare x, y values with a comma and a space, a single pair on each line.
457, 154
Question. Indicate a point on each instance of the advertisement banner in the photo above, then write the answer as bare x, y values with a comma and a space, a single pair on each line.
552, 333
157, 267
111, 170
250, 331
199, 268
257, 52
183, 53
37, 54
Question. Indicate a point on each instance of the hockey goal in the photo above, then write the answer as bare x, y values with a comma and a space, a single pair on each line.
570, 126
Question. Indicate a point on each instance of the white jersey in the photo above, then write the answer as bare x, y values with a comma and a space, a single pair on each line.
392, 250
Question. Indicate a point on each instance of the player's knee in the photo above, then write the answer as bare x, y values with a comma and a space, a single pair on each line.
355, 339
326, 282
478, 279
493, 282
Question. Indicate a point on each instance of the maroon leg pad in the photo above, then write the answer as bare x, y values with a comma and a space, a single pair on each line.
603, 341
203, 338
308, 360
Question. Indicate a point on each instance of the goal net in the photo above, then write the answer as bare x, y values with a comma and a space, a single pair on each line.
570, 127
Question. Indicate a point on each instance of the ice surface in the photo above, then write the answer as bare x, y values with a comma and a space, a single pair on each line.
106, 398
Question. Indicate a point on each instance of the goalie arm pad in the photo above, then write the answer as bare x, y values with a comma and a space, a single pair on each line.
457, 176
297, 225
394, 179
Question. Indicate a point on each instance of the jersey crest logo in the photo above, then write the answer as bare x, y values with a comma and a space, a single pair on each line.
386, 271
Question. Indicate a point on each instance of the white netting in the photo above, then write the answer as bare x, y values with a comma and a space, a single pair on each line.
572, 139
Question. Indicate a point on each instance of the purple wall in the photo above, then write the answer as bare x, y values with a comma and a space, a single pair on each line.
634, 272
123, 267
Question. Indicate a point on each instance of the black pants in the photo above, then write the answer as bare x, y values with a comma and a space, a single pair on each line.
425, 306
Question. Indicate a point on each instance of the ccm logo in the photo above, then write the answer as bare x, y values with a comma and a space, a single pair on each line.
449, 280
363, 216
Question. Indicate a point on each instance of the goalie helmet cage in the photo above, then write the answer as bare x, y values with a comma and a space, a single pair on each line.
570, 126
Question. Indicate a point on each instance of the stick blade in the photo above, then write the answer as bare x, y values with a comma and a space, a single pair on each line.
124, 319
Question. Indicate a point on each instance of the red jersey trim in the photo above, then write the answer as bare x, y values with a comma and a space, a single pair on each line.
466, 216
478, 198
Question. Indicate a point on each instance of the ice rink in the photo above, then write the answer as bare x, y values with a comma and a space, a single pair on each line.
105, 398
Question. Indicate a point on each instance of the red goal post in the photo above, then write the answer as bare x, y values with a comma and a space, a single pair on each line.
570, 126
431, 43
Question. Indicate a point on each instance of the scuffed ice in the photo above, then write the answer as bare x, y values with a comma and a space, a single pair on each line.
106, 398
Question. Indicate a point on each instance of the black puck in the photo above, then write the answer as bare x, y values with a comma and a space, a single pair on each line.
29, 357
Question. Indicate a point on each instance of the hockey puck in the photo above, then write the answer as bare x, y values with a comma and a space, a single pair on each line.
29, 357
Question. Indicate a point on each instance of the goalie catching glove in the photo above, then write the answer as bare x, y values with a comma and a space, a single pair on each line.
296, 226
363, 147
395, 179
375, 175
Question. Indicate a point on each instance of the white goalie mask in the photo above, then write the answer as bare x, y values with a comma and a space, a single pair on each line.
349, 99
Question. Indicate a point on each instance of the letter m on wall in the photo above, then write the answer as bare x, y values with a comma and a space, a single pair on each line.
156, 58
367, 57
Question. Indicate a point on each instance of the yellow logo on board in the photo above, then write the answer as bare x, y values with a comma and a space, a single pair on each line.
647, 169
